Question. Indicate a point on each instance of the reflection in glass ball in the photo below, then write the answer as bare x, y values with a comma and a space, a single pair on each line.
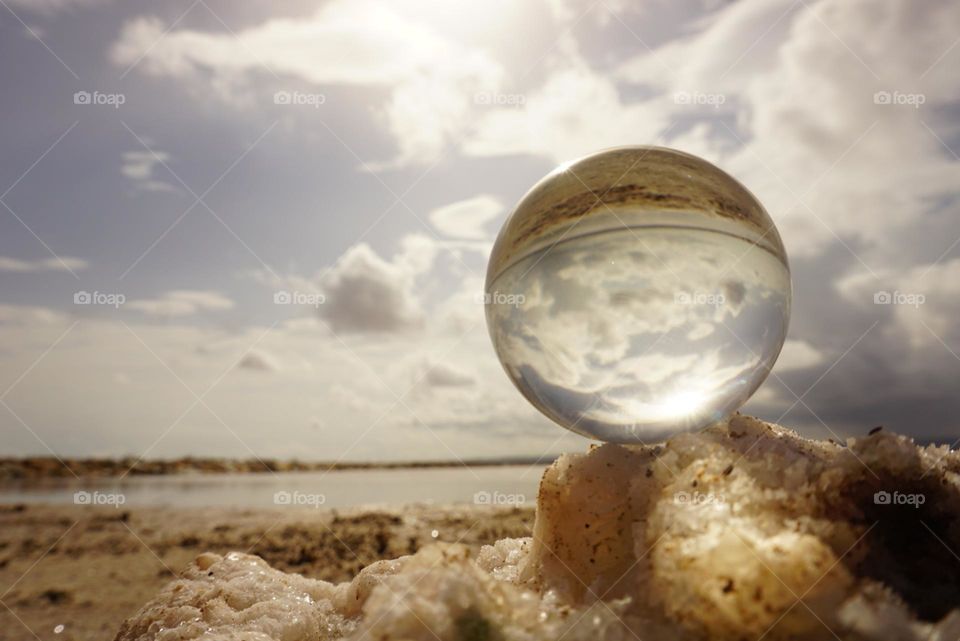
637, 293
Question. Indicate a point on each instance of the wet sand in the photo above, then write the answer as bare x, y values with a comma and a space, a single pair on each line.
88, 568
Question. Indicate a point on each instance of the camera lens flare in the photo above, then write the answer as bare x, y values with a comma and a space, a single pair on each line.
637, 293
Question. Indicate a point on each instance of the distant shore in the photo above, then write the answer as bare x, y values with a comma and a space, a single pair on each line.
44, 467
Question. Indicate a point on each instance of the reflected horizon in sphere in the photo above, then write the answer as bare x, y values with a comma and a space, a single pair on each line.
637, 293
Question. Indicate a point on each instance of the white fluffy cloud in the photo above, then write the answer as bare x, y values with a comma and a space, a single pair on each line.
798, 354
431, 78
782, 95
467, 218
365, 293
809, 138
576, 111
358, 43
920, 304
816, 131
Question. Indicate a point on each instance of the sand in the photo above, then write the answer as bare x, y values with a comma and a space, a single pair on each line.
745, 530
89, 568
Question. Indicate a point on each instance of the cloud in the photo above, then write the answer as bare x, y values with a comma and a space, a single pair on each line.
919, 305
790, 111
798, 119
446, 375
817, 131
258, 361
139, 167
50, 7
577, 111
807, 134
182, 302
362, 392
466, 218
759, 28
365, 293
798, 354
358, 43
61, 264
431, 79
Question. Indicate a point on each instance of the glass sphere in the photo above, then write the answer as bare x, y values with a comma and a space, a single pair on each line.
637, 293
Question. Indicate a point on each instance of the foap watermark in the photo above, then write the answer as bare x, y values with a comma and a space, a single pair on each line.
898, 498
898, 298
312, 299
497, 99
698, 498
114, 300
299, 499
114, 499
498, 498
699, 98
99, 98
299, 99
899, 98
713, 299
500, 298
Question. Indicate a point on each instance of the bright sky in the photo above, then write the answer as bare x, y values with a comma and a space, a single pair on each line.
281, 212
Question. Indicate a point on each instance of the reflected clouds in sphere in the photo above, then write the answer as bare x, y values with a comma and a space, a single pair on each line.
636, 293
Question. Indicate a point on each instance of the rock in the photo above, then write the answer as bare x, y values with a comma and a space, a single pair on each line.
742, 531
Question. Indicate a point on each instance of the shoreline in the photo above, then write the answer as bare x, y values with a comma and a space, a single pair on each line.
14, 470
88, 568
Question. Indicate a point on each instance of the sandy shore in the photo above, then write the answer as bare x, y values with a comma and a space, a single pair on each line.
87, 568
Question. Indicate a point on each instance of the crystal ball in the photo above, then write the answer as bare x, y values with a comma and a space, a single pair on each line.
637, 293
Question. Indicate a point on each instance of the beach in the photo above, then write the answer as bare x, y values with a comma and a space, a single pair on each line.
87, 568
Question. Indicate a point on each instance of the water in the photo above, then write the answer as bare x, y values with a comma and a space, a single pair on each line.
628, 320
508, 484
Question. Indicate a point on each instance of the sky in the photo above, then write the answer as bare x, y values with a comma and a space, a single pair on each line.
260, 229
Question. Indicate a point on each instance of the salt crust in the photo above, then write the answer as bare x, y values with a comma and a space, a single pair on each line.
742, 531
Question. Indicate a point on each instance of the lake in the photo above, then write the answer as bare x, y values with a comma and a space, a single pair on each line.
495, 485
